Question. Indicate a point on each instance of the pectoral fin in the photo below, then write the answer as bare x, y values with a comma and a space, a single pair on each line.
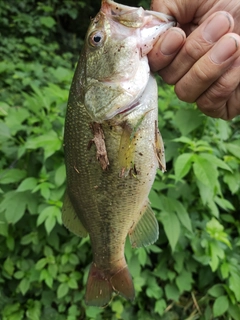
145, 231
70, 218
159, 149
126, 151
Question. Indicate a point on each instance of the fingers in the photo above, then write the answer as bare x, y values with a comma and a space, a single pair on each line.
166, 48
197, 45
222, 99
209, 68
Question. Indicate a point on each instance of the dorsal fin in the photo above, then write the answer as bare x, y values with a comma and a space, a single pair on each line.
70, 218
145, 231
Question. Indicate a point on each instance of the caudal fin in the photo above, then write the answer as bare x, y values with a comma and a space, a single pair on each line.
102, 283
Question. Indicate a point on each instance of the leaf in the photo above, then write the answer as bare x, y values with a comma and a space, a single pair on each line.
205, 171
160, 306
234, 148
60, 175
220, 306
14, 205
183, 165
27, 184
49, 22
171, 227
5, 133
216, 161
12, 176
172, 292
34, 310
8, 266
234, 311
50, 142
183, 216
184, 281
234, 284
216, 291
24, 286
62, 290
186, 120
41, 264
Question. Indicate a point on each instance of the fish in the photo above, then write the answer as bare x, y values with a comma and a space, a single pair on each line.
112, 144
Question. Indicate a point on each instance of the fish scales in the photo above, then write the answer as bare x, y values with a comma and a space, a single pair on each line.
112, 148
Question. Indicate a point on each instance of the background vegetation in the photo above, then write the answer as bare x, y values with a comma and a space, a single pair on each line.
192, 272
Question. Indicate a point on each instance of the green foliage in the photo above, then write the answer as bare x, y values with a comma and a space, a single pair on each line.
192, 272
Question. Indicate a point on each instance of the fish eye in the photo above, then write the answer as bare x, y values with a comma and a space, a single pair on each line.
96, 38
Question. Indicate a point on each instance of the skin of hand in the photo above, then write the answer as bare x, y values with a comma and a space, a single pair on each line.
201, 56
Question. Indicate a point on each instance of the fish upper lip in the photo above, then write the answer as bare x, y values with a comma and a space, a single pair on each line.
126, 15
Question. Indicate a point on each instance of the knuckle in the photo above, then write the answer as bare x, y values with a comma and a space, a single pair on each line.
194, 48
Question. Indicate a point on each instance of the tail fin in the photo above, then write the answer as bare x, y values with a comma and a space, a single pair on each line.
102, 283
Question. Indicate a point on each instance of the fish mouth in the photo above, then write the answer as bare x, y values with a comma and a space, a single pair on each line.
150, 23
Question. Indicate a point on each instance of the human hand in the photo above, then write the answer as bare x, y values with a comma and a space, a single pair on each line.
206, 67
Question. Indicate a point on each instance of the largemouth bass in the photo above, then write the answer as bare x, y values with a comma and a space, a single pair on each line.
112, 144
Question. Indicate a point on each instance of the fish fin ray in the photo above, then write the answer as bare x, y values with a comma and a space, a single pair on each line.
146, 230
99, 289
122, 283
159, 149
70, 218
102, 283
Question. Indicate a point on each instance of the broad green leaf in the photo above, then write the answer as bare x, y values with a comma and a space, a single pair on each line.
184, 281
172, 292
216, 161
205, 171
62, 290
34, 310
60, 175
117, 307
182, 214
234, 148
47, 21
160, 306
8, 266
24, 285
41, 264
186, 120
234, 311
14, 205
171, 226
5, 133
72, 283
12, 176
182, 165
220, 306
27, 184
50, 142
234, 282
233, 181
216, 291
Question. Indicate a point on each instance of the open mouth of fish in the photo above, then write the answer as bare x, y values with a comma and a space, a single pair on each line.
150, 25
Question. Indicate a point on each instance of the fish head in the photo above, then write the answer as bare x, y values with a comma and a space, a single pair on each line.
116, 69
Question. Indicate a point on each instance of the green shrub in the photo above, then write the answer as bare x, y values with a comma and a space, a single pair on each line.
192, 272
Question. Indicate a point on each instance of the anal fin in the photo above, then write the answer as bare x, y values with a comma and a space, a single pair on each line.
70, 218
146, 230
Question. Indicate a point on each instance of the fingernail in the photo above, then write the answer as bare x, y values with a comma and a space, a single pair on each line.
172, 42
217, 27
224, 49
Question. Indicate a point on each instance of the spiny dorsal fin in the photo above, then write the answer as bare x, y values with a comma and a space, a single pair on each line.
70, 218
145, 231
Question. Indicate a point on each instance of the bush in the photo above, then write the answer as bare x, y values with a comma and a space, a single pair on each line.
192, 272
